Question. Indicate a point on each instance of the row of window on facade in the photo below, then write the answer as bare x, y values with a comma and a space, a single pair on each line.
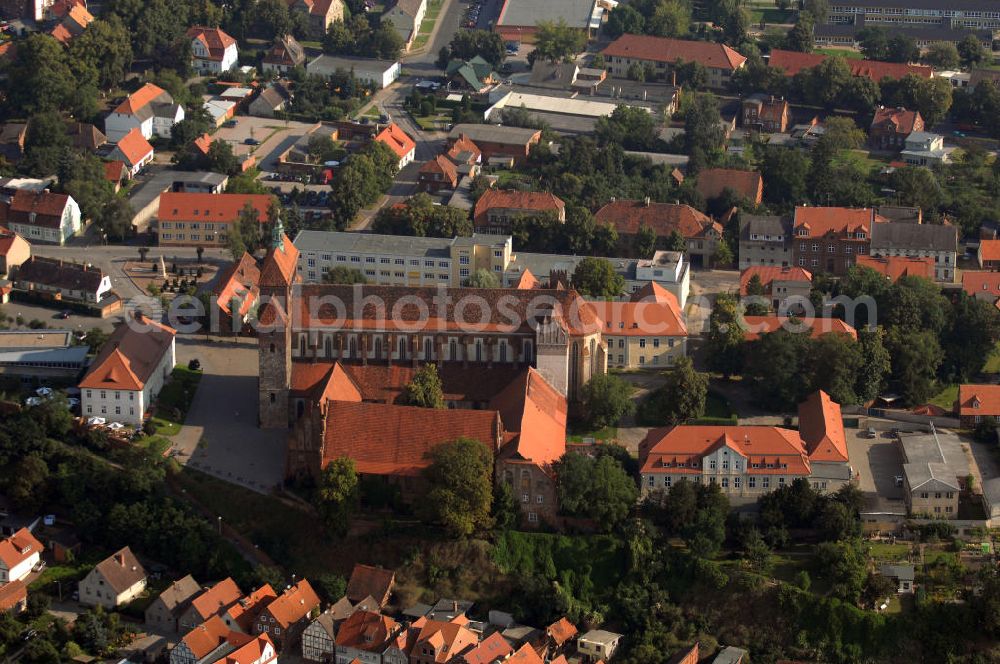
642, 359
403, 349
104, 410
117, 393
179, 225
735, 482
195, 237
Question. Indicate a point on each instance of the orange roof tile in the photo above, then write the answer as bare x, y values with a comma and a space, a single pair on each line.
249, 650
203, 143
396, 140
792, 62
537, 413
524, 655
540, 201
12, 594
206, 637
386, 439
445, 639
678, 450
660, 49
114, 171
130, 356
982, 284
491, 649
641, 318
217, 208
526, 281
293, 605
240, 280
561, 631
989, 250
443, 166
61, 34
712, 182
245, 610
134, 147
894, 267
19, 547
214, 39
663, 218
769, 274
369, 581
819, 221
366, 630
140, 98
465, 144
904, 121
280, 265
821, 427
216, 599
986, 396
758, 325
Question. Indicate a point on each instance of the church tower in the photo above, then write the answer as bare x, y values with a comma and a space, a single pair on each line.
278, 276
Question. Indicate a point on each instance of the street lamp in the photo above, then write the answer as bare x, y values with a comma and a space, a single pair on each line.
219, 518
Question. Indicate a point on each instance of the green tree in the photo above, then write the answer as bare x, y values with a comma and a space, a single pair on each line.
775, 367
676, 242
876, 364
573, 477
702, 125
467, 44
670, 19
784, 174
971, 51
606, 399
755, 289
27, 487
833, 364
645, 242
632, 127
841, 133
425, 389
483, 278
105, 49
916, 355
596, 277
235, 244
902, 48
942, 55
556, 41
845, 565
756, 553
220, 158
459, 487
724, 342
337, 495
342, 274
597, 488
934, 99
625, 19
680, 399
506, 513
420, 217
45, 81
972, 332
917, 186
331, 586
874, 42
248, 227
800, 37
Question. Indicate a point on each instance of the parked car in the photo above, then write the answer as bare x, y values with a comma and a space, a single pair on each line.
251, 141
230, 123
871, 433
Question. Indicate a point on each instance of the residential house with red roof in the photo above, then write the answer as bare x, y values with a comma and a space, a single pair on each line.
164, 612
399, 142
129, 372
792, 62
628, 216
19, 553
976, 402
58, 280
284, 618
645, 331
205, 642
713, 182
749, 461
284, 55
73, 21
497, 209
891, 126
14, 250
13, 597
988, 254
661, 53
236, 293
780, 283
365, 636
212, 50
829, 239
369, 581
505, 144
113, 582
816, 326
134, 151
437, 174
151, 109
241, 616
982, 285
115, 172
494, 648
250, 650
321, 13
894, 267
765, 113
213, 601
438, 642
205, 220
41, 216
560, 634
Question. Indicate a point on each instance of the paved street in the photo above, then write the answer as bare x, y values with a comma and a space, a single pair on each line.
220, 436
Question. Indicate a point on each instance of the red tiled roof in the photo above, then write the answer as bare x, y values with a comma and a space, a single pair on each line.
214, 39
540, 201
534, 410
904, 121
14, 593
366, 630
203, 143
561, 631
663, 218
491, 649
241, 280
386, 439
445, 639
206, 637
792, 62
129, 357
980, 284
989, 250
988, 397
464, 144
527, 281
662, 49
894, 267
524, 655
9, 238
215, 208
61, 34
80, 15
47, 207
821, 427
279, 266
19, 547
819, 221
758, 325
396, 140
134, 147
443, 166
747, 184
369, 581
641, 318
930, 409
216, 599
245, 611
678, 450
251, 651
140, 98
293, 605
768, 274
114, 171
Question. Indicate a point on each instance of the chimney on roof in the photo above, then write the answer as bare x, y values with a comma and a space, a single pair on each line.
120, 557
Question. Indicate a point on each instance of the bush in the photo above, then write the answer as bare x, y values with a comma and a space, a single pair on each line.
150, 428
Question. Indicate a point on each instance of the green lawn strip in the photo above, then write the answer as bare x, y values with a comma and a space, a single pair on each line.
68, 573
946, 398
993, 361
175, 400
607, 433
850, 55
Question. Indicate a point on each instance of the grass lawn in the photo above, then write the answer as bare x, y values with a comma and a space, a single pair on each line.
607, 433
158, 445
436, 122
175, 400
67, 573
884, 551
946, 398
427, 25
770, 15
844, 53
993, 361
861, 158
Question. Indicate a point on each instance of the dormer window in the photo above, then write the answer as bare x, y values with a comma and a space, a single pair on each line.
976, 403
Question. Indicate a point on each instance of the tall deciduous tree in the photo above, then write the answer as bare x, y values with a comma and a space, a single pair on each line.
596, 277
680, 399
724, 342
337, 494
597, 488
876, 364
424, 389
606, 399
459, 487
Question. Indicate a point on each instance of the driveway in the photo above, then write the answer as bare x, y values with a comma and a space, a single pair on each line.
220, 435
876, 463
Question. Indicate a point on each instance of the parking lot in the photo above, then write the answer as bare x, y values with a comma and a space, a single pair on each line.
877, 462
275, 137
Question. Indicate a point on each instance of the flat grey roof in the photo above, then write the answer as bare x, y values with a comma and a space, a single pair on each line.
576, 13
541, 265
960, 5
325, 65
901, 572
493, 134
75, 355
601, 636
369, 243
903, 235
935, 457
160, 181
28, 339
